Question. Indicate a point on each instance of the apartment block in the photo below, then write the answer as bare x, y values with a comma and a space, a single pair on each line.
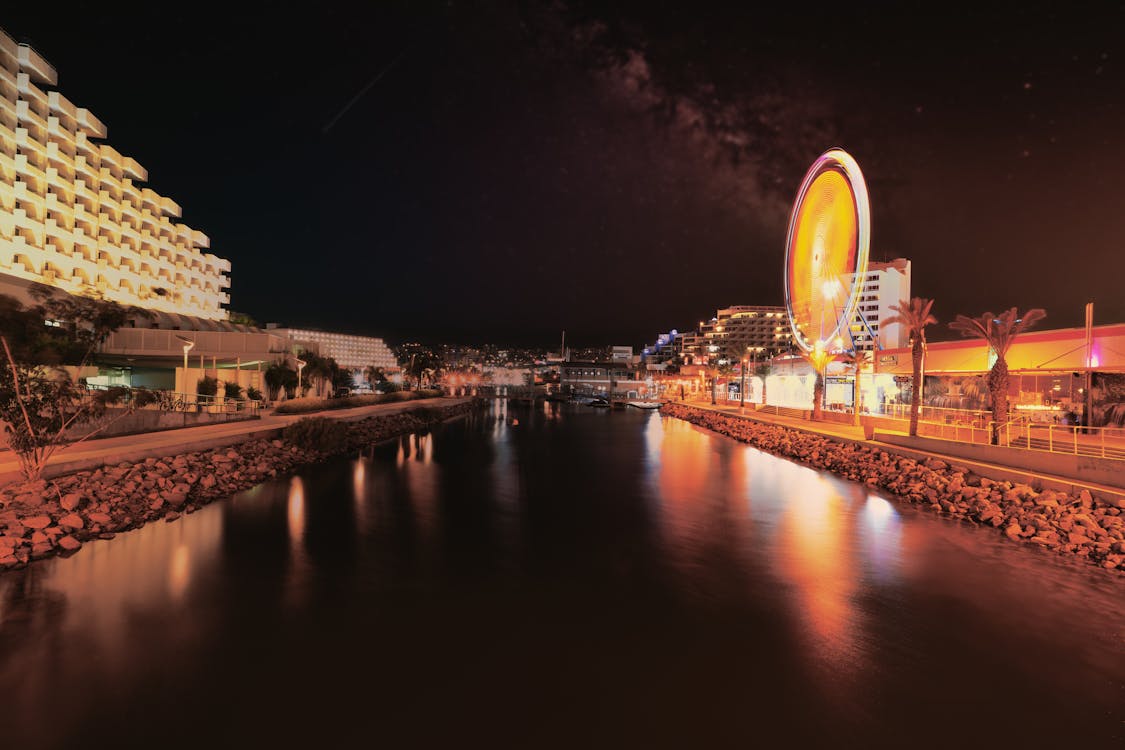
884, 284
739, 332
73, 213
350, 352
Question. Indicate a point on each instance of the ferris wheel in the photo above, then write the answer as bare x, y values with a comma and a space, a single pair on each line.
826, 253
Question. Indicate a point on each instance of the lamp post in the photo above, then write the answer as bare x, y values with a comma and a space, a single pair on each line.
300, 366
188, 344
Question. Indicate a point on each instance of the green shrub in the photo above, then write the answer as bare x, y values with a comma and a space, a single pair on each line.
317, 433
232, 390
207, 386
253, 394
350, 402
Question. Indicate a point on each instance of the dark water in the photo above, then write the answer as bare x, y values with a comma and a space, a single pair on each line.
583, 579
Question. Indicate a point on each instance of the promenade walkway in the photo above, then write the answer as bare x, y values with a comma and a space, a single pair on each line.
112, 450
854, 433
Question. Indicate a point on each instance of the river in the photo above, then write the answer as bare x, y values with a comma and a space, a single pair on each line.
580, 579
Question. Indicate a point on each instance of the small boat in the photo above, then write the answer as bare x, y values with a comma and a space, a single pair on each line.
600, 403
644, 404
583, 400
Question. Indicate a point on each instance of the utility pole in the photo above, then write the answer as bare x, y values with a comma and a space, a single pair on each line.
1089, 400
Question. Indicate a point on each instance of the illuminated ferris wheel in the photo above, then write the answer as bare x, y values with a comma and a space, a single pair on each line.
826, 251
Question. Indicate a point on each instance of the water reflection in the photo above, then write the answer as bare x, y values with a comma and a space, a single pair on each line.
638, 561
295, 514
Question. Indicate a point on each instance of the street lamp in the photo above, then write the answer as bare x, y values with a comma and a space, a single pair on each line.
300, 366
188, 344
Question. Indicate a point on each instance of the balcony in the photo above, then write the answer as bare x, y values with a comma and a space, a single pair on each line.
36, 66
132, 192
199, 239
169, 207
25, 114
32, 93
56, 133
83, 147
133, 169
59, 104
151, 201
89, 125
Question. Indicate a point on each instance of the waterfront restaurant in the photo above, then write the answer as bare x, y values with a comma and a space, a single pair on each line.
1050, 373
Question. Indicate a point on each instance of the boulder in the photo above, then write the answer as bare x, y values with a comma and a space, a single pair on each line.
29, 499
36, 522
1013, 532
69, 543
72, 521
71, 501
99, 518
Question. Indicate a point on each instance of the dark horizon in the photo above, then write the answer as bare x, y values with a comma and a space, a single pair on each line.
498, 173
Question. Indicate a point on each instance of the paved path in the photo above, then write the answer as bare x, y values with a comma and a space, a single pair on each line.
113, 450
855, 434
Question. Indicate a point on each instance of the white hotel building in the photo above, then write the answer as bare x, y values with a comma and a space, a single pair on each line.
884, 284
350, 352
72, 212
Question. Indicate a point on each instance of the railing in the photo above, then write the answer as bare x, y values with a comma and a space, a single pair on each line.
1096, 442
172, 401
929, 413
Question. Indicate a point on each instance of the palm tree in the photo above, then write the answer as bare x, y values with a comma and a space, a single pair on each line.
999, 332
914, 316
858, 359
819, 359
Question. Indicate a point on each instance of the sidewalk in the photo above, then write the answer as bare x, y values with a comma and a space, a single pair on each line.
853, 433
95, 453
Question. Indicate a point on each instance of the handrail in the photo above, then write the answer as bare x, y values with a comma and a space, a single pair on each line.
176, 401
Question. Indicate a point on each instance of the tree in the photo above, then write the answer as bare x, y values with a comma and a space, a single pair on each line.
857, 359
914, 316
763, 370
278, 376
40, 405
999, 332
375, 376
819, 358
86, 321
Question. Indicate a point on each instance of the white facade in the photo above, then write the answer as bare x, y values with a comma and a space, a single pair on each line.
351, 352
885, 284
72, 214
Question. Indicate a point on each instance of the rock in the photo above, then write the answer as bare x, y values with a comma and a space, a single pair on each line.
69, 543
72, 521
156, 504
29, 500
1013, 532
207, 481
71, 501
39, 551
1077, 537
173, 516
36, 522
175, 498
1086, 499
98, 518
39, 537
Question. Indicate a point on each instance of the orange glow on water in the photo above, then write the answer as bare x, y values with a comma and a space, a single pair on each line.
296, 512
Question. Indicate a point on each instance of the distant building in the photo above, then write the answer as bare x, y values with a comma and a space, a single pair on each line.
351, 352
884, 284
594, 377
739, 332
72, 213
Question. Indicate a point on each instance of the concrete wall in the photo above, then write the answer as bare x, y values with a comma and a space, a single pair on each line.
1105, 471
148, 420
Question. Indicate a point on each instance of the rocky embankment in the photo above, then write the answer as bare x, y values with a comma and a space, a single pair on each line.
1081, 525
44, 518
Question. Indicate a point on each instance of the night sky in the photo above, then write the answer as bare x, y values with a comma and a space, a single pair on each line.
497, 172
